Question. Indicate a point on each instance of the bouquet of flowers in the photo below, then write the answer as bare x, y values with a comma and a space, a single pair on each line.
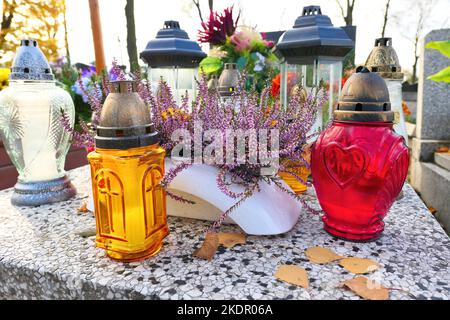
209, 126
241, 45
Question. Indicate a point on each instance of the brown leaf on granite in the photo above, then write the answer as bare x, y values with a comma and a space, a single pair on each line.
293, 275
229, 240
83, 208
359, 265
432, 210
208, 248
442, 150
367, 289
321, 255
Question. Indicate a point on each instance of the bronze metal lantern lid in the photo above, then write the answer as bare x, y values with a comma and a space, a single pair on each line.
30, 63
125, 120
172, 48
228, 80
313, 36
384, 61
364, 98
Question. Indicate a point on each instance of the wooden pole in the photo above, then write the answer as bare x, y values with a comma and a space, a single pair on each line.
96, 25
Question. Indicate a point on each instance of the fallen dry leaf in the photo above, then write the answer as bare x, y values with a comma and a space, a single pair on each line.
367, 289
442, 150
208, 248
293, 275
359, 265
432, 210
321, 255
229, 240
83, 208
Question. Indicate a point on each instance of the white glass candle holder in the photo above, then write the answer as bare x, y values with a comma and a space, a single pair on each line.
31, 111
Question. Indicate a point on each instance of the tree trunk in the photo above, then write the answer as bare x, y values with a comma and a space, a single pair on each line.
349, 18
131, 36
386, 18
7, 19
349, 59
66, 34
199, 10
416, 59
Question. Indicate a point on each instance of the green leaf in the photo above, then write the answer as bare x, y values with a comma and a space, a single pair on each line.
441, 76
241, 63
211, 65
442, 46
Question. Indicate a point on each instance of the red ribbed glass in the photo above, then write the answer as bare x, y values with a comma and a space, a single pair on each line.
358, 171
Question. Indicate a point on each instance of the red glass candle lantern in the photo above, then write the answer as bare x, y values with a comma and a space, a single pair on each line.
359, 164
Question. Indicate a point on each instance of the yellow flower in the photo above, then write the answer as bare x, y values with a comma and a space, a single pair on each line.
174, 113
4, 74
4, 77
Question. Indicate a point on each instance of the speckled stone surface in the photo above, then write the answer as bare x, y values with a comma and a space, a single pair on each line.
47, 253
433, 97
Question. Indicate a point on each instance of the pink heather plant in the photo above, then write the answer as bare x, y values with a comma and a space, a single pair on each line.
257, 111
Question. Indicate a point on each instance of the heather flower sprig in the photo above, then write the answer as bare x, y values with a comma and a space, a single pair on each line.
245, 110
83, 139
257, 112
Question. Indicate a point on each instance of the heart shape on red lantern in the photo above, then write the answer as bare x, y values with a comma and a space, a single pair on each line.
344, 164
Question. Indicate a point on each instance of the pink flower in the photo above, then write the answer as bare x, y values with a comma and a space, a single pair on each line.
244, 38
269, 43
242, 43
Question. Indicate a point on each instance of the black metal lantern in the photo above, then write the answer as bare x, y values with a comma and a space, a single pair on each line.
175, 58
312, 53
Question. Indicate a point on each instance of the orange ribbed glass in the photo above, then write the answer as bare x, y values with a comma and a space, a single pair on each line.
130, 205
301, 171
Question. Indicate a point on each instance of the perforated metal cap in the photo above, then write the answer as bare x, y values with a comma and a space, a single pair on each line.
384, 60
313, 36
125, 119
172, 47
365, 97
30, 63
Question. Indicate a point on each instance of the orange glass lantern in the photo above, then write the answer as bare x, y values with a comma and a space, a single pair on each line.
126, 168
300, 170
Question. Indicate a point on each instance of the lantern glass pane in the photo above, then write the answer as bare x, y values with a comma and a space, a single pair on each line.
330, 76
309, 76
294, 76
180, 80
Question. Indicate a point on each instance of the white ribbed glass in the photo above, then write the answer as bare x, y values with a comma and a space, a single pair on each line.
31, 128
